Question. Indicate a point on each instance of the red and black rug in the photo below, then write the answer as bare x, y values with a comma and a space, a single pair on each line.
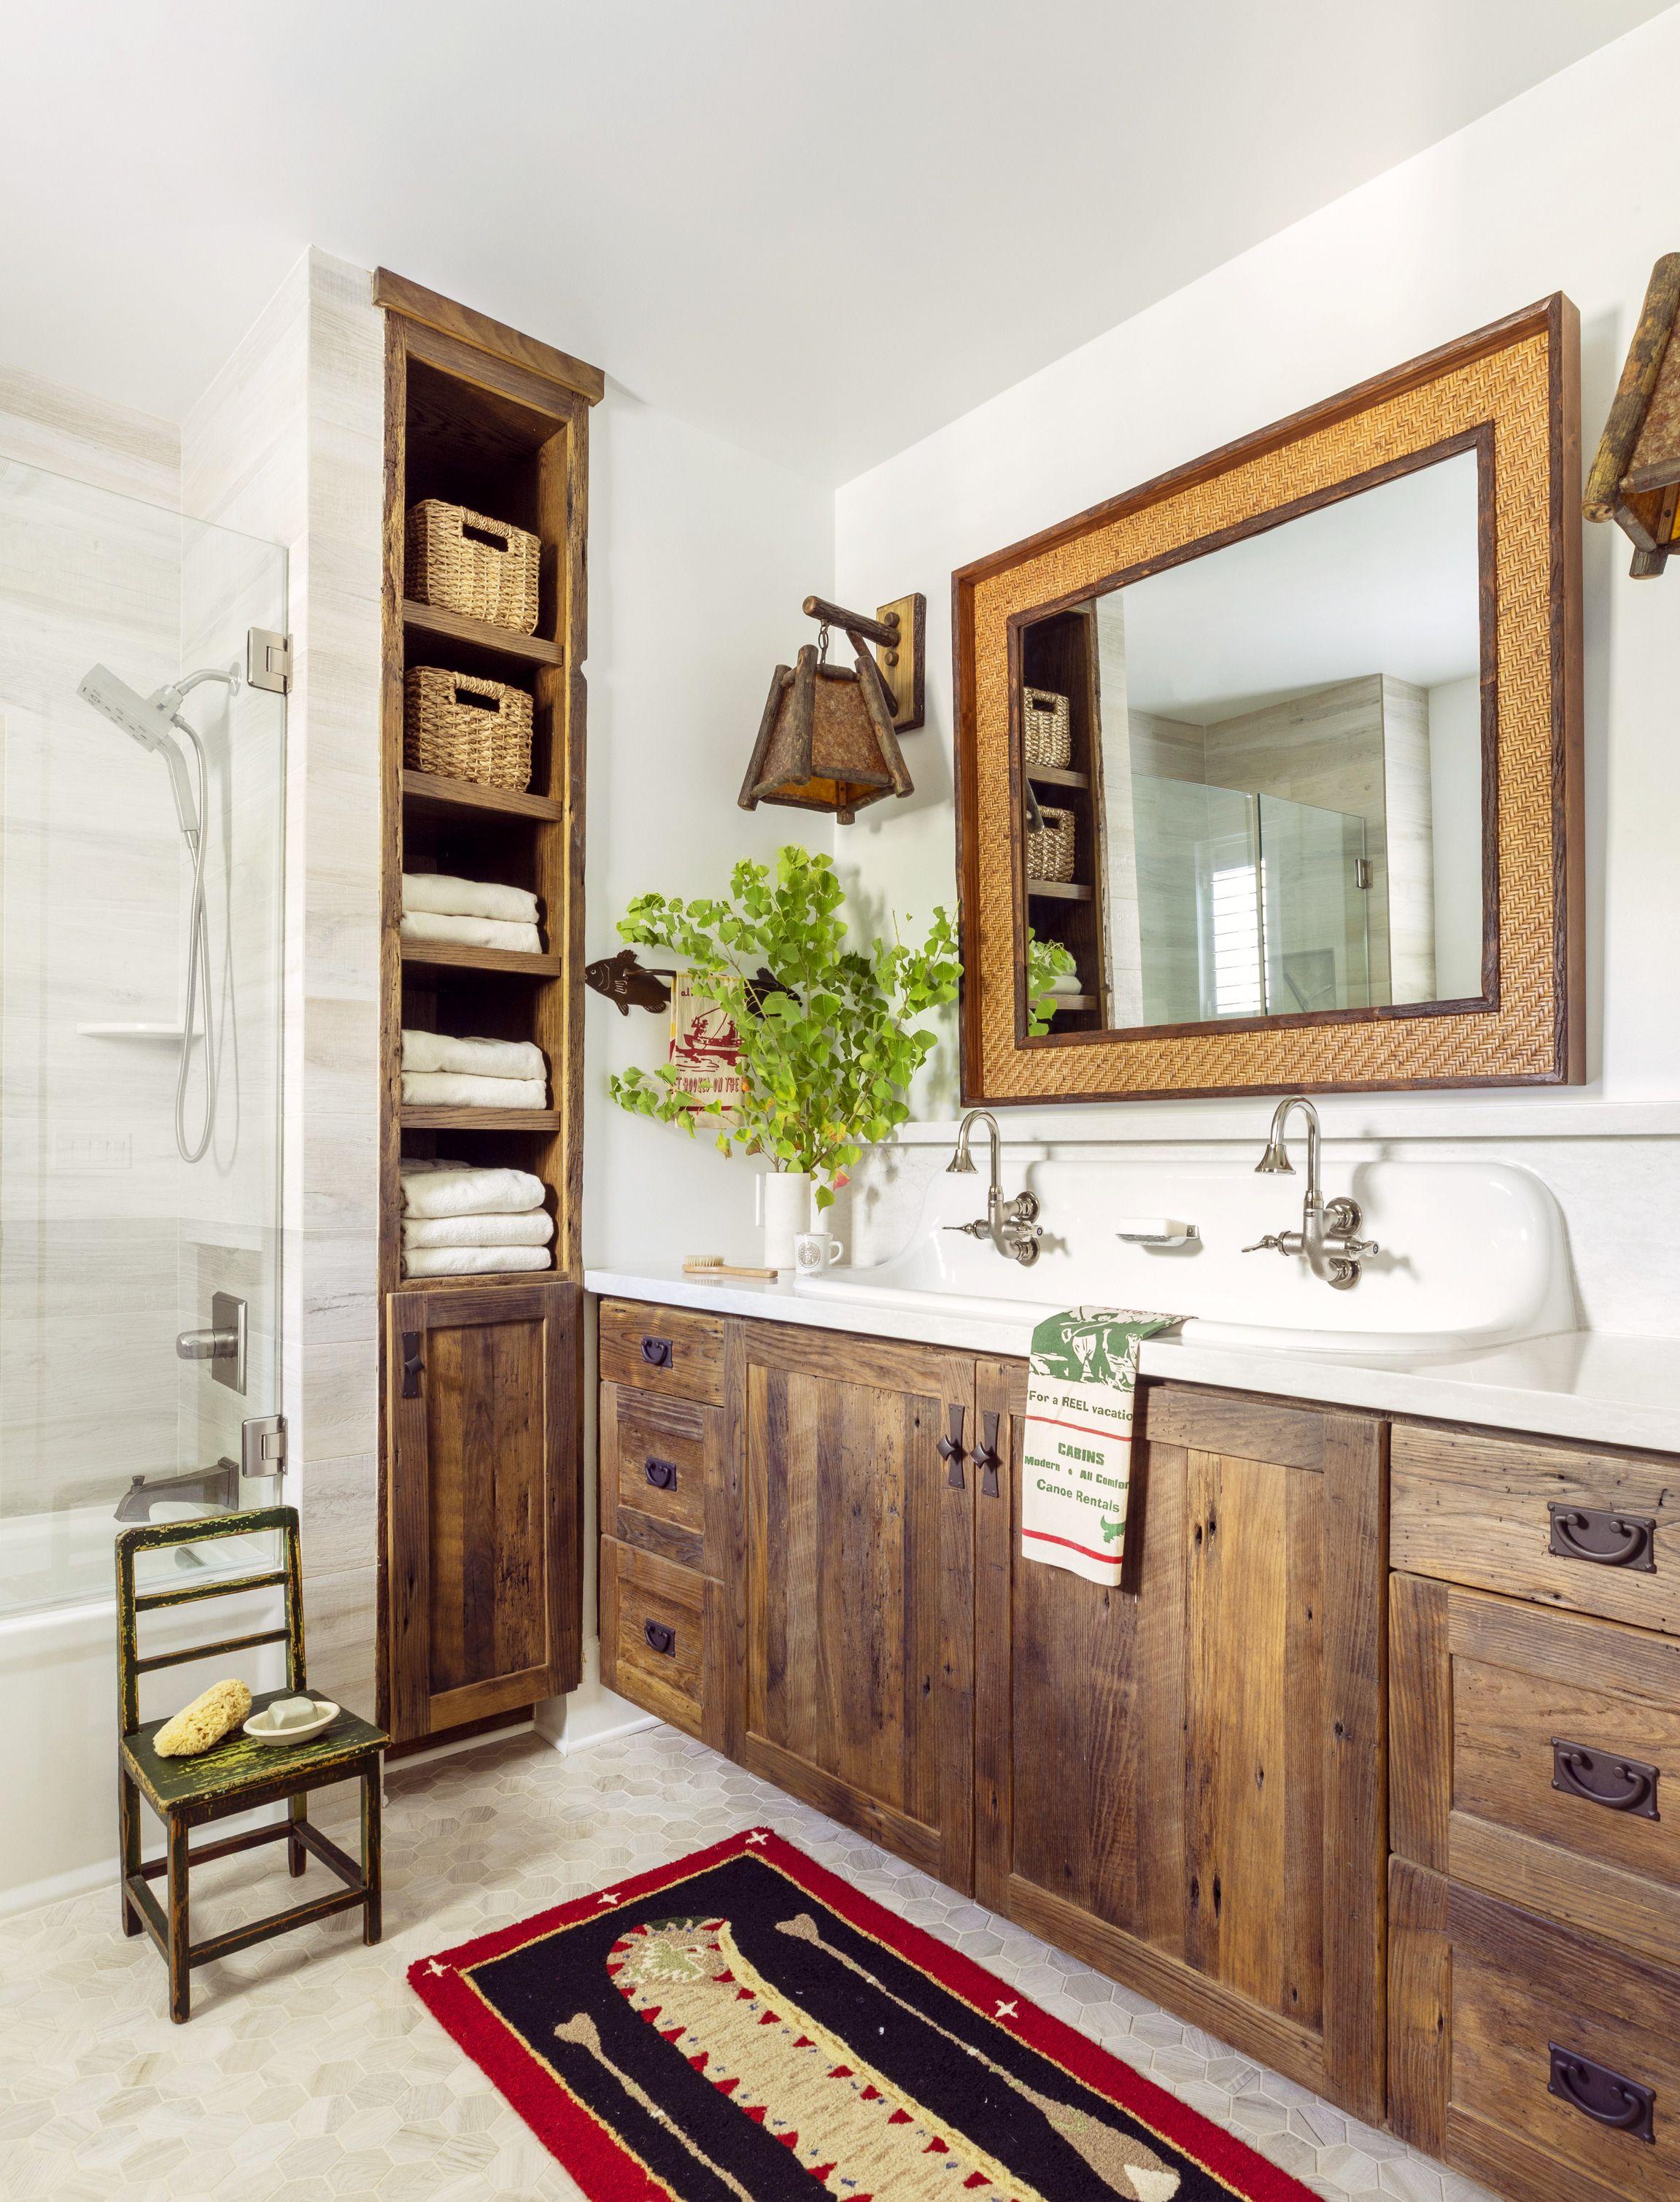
743, 2024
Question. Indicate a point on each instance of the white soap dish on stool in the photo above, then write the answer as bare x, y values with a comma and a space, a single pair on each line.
263, 1728
1155, 1231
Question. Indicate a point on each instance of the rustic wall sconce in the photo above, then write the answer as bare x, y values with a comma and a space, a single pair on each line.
1635, 477
829, 737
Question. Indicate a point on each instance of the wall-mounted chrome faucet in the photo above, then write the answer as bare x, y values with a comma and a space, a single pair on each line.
1328, 1236
1011, 1225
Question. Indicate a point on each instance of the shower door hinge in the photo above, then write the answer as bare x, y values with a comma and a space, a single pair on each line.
1361, 871
268, 660
262, 1445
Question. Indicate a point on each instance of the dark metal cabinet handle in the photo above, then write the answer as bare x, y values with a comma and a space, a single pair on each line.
987, 1458
412, 1364
1608, 1539
1602, 2095
952, 1451
1620, 1784
662, 1474
656, 1352
661, 1638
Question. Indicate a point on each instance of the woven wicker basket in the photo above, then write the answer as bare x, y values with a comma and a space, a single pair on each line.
1050, 854
482, 569
446, 730
1046, 727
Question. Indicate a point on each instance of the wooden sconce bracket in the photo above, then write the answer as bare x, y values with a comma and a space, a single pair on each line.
899, 631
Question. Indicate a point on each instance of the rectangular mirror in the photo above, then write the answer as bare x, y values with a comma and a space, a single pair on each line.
1282, 744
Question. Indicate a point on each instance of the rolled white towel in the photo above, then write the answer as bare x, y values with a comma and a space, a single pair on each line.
451, 1089
535, 1227
473, 1261
473, 1058
438, 1186
471, 932
447, 896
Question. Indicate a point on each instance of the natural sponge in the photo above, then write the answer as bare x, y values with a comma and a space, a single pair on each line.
204, 1721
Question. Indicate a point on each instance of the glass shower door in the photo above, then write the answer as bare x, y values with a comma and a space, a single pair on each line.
113, 1244
1316, 896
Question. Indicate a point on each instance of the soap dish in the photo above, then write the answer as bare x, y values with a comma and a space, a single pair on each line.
1155, 1231
259, 1733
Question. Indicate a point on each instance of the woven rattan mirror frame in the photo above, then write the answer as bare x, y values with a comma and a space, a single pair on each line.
1510, 391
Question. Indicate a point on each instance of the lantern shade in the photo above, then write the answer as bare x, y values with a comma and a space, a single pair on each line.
1635, 478
825, 741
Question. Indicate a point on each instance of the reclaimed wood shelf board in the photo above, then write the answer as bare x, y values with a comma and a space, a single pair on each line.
1075, 1001
1058, 891
455, 627
431, 791
1058, 776
456, 956
417, 1118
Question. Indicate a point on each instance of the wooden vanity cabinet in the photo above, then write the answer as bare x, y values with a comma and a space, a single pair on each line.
1180, 1781
483, 1527
853, 1556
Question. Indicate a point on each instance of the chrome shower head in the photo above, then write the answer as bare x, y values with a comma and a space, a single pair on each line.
150, 719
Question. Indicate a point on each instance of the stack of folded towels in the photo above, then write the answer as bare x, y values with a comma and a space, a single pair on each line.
461, 1220
473, 913
440, 1071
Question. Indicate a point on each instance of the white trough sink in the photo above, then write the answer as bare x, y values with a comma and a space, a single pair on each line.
1472, 1255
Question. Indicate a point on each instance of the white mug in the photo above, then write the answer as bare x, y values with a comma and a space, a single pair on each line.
814, 1251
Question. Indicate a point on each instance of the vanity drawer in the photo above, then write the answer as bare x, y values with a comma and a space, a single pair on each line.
663, 1349
661, 1465
1599, 1532
659, 1635
1541, 2061
1538, 1755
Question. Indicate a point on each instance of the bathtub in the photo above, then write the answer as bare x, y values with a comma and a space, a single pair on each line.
58, 1683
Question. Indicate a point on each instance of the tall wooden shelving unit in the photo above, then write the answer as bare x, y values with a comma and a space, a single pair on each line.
481, 1500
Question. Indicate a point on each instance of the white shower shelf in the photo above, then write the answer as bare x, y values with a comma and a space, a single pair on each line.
132, 1031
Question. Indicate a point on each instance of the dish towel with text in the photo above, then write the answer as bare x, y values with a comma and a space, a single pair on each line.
1076, 1451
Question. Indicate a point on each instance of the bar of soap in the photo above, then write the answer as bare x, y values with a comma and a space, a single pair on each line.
204, 1721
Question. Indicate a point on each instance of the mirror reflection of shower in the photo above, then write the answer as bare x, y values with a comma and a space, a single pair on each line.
154, 721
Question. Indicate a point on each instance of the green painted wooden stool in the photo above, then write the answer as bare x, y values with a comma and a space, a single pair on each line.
238, 1774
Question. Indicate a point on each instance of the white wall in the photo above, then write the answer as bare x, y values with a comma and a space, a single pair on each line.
1540, 196
700, 555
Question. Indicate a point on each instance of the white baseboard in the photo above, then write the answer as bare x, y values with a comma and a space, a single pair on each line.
589, 1714
30, 1895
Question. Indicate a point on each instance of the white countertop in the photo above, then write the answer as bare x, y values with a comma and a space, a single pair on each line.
1610, 1388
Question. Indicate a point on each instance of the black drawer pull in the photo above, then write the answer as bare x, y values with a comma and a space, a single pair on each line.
1620, 1784
987, 1458
660, 1638
1607, 1539
656, 1352
952, 1451
412, 1364
1602, 2095
662, 1474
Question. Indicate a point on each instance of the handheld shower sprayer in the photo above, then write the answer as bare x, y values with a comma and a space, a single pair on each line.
154, 721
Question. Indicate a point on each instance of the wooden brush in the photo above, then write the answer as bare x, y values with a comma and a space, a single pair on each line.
713, 1265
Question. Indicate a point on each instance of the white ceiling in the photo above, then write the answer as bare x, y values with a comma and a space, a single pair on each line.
1384, 582
820, 231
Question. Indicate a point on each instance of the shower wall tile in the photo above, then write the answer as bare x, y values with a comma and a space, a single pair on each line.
289, 443
68, 432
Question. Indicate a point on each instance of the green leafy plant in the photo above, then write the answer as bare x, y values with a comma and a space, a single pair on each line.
1045, 960
827, 1064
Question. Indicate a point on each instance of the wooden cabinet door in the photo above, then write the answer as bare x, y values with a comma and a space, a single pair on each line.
851, 1584
484, 1567
1182, 1781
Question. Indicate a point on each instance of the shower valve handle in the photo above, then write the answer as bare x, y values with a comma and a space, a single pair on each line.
207, 1345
